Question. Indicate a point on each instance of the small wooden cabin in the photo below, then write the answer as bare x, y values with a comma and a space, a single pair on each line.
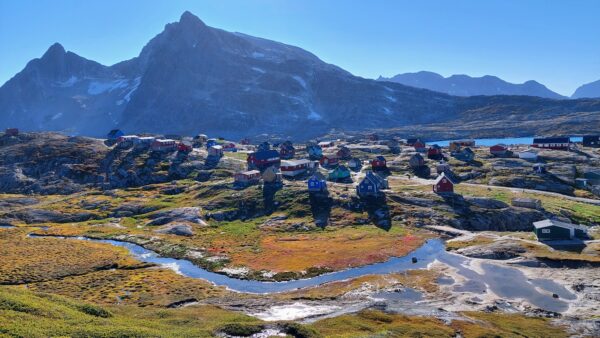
379, 163
315, 152
341, 172
344, 152
164, 145
465, 155
215, 151
287, 150
355, 163
263, 159
372, 185
416, 161
247, 177
316, 184
529, 203
420, 146
294, 168
184, 147
591, 141
548, 230
435, 152
329, 160
555, 143
499, 150
456, 145
443, 185
442, 167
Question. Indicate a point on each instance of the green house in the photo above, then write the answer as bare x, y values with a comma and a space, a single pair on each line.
339, 173
548, 230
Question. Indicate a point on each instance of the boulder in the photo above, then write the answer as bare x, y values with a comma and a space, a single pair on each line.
495, 250
176, 229
186, 214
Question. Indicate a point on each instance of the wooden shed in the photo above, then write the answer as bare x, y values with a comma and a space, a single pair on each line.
443, 185
548, 230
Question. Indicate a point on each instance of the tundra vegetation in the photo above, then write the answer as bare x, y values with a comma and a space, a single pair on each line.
186, 208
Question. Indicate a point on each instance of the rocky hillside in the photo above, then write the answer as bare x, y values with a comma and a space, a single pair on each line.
591, 89
464, 85
193, 78
50, 163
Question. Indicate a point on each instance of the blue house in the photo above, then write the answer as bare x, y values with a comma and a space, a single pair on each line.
211, 142
316, 184
315, 152
265, 146
115, 134
372, 185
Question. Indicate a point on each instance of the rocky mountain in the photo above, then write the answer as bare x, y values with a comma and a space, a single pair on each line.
193, 78
589, 90
464, 85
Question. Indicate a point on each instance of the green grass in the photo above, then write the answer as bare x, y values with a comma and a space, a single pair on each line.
27, 314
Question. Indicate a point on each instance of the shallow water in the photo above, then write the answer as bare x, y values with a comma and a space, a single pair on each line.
506, 282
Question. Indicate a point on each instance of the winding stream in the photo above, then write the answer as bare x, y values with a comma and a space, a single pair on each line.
505, 282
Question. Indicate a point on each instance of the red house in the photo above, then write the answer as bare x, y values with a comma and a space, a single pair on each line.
420, 146
498, 150
379, 163
329, 160
443, 185
184, 147
164, 145
230, 146
434, 152
263, 159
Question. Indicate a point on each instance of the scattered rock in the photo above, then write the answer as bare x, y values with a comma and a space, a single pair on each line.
176, 229
186, 214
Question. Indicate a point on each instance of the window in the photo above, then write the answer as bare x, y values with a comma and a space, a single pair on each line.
546, 231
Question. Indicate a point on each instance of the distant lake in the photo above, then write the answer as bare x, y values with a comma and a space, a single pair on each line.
493, 141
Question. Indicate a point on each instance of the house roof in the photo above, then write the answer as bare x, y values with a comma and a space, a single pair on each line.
265, 154
552, 140
442, 176
249, 172
291, 163
552, 222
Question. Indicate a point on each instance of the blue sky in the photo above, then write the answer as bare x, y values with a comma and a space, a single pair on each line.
554, 42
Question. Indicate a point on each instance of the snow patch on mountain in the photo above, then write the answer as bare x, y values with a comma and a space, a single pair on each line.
97, 88
300, 81
134, 87
69, 83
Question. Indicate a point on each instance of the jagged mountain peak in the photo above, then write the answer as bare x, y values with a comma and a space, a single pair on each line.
56, 49
187, 18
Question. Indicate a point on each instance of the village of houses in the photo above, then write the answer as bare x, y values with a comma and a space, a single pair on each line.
365, 164
276, 210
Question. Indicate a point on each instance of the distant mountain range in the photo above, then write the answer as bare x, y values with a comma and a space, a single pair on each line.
192, 78
464, 85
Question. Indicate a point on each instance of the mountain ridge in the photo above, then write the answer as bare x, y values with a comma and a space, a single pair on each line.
193, 78
465, 85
